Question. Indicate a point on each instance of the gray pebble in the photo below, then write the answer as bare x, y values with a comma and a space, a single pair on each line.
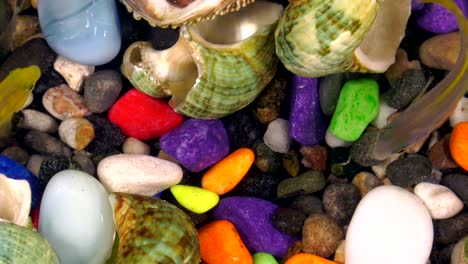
135, 146
451, 230
340, 201
35, 120
308, 204
406, 88
85, 162
17, 154
361, 150
329, 91
46, 144
306, 183
101, 90
34, 163
409, 171
458, 183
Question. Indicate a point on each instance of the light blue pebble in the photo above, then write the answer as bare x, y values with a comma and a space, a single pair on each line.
85, 31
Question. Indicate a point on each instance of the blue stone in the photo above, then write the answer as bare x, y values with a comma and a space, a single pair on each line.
14, 170
85, 31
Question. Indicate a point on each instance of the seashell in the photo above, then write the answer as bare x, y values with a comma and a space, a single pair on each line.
21, 245
15, 197
209, 74
151, 230
174, 13
317, 37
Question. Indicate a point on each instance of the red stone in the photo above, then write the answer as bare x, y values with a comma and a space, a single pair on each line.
141, 116
35, 217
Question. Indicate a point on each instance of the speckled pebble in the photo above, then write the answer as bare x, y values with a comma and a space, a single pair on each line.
35, 120
452, 229
17, 154
45, 144
74, 73
457, 182
405, 89
267, 106
76, 132
306, 183
258, 184
242, 128
380, 168
34, 164
101, 90
276, 136
460, 114
314, 157
265, 159
135, 146
291, 163
365, 182
360, 149
308, 204
340, 201
401, 65
62, 102
441, 51
107, 136
321, 235
54, 164
288, 220
441, 202
409, 170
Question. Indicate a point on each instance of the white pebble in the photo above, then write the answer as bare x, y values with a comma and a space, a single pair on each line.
276, 136
440, 200
138, 174
135, 146
336, 142
35, 120
73, 73
390, 225
385, 111
460, 114
76, 132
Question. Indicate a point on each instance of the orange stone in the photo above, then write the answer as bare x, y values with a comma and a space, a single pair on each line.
304, 258
228, 172
459, 144
220, 243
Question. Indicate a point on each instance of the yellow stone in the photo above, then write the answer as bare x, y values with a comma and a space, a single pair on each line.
195, 199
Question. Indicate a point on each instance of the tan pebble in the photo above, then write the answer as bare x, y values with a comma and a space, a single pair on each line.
25, 28
340, 253
401, 65
386, 181
62, 102
34, 163
35, 120
165, 156
459, 254
365, 182
135, 146
76, 132
441, 51
34, 3
321, 235
73, 73
380, 169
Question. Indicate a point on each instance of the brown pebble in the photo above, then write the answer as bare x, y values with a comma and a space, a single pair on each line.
291, 163
25, 28
165, 156
62, 102
441, 51
365, 182
321, 235
339, 256
401, 65
76, 132
440, 155
268, 105
314, 157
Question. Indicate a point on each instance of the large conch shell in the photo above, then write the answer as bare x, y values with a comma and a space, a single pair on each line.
21, 245
174, 13
151, 230
216, 68
15, 200
320, 37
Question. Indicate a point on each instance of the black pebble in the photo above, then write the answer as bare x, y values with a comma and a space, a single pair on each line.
107, 136
409, 171
308, 204
288, 220
452, 229
362, 150
258, 184
458, 183
406, 88
242, 129
54, 164
340, 201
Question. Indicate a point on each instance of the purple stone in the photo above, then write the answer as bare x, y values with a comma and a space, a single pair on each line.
306, 123
251, 217
197, 143
416, 5
437, 19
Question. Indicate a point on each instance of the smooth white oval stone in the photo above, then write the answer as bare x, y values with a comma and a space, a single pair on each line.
76, 217
138, 174
440, 200
390, 225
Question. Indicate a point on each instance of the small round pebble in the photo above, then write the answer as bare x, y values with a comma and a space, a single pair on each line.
439, 155
308, 204
321, 235
265, 159
365, 182
457, 183
133, 145
276, 136
441, 51
405, 89
460, 114
35, 120
360, 149
62, 102
46, 144
264, 258
459, 144
441, 202
452, 229
340, 201
101, 90
409, 170
34, 164
291, 163
195, 199
54, 164
306, 183
17, 154
76, 132
314, 157
288, 220
107, 136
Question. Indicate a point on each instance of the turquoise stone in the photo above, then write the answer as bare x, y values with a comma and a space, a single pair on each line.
85, 31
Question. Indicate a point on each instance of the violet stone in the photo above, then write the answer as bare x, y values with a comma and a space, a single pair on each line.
197, 143
307, 125
416, 5
251, 217
437, 19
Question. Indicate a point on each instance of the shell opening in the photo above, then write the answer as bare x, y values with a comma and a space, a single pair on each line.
16, 200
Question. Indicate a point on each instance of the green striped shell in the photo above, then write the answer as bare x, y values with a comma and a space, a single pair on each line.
151, 230
20, 245
216, 68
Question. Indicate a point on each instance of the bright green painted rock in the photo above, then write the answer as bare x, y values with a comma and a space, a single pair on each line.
264, 258
195, 199
357, 106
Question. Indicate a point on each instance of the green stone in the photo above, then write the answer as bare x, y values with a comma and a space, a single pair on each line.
306, 183
357, 106
264, 258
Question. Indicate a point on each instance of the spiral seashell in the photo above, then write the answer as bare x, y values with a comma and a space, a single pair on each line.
174, 13
151, 230
321, 37
216, 68
15, 197
21, 245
